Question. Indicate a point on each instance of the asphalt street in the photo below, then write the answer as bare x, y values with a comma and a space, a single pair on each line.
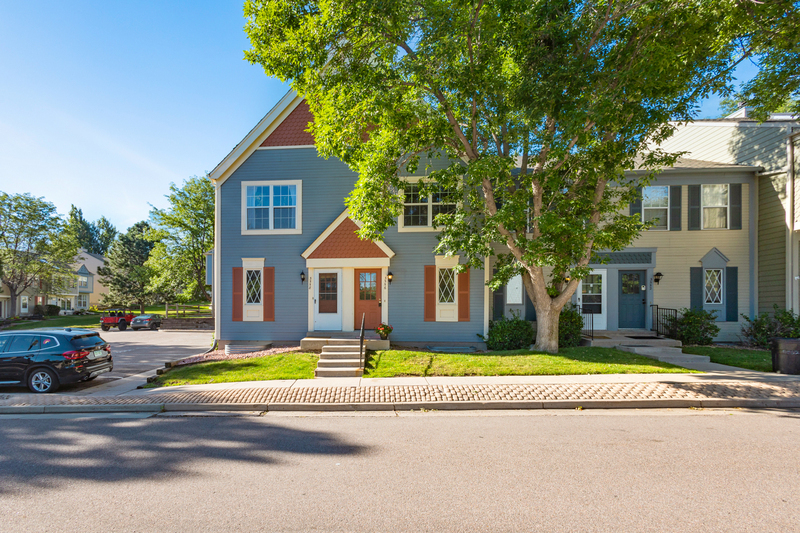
140, 351
659, 470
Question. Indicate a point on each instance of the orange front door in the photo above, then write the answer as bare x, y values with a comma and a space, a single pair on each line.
368, 298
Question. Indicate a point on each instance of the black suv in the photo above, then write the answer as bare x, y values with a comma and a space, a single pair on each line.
43, 359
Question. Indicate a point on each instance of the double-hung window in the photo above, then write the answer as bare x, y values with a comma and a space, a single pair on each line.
715, 200
83, 282
272, 207
419, 211
655, 206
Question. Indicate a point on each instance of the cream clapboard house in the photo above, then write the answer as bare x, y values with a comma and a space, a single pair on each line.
774, 147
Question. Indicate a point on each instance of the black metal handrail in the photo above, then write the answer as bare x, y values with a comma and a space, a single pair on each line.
663, 318
587, 316
361, 352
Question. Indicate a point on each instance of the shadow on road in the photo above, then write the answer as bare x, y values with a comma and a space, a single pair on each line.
47, 453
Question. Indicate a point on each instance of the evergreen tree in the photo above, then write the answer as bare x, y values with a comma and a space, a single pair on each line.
125, 272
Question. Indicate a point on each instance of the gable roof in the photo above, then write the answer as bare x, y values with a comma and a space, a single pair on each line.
264, 129
84, 270
339, 241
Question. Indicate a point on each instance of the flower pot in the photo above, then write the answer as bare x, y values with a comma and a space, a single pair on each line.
384, 336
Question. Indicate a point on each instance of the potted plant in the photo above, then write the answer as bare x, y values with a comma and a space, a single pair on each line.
383, 330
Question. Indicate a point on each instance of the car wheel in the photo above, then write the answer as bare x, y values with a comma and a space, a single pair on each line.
122, 325
153, 327
105, 327
42, 380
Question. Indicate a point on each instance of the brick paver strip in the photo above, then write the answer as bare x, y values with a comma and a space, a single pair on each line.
435, 393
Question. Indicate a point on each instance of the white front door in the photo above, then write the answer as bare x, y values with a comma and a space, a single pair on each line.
328, 300
592, 299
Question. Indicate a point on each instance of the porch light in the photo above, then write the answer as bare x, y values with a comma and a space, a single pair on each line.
302, 277
390, 277
657, 277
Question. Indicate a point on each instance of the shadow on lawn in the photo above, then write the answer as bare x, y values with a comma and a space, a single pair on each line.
47, 453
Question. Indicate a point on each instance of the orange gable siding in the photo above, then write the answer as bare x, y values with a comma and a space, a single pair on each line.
291, 132
343, 242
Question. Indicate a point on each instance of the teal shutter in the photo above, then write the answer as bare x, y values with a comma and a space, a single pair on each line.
735, 190
636, 205
694, 207
732, 294
696, 287
675, 208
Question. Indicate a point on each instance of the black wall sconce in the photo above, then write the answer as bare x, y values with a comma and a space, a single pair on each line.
302, 277
657, 277
390, 277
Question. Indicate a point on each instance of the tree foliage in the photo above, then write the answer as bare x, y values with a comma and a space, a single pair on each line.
538, 106
184, 233
33, 247
125, 273
94, 237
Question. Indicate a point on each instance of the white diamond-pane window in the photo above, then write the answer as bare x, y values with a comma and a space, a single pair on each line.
447, 286
253, 287
713, 286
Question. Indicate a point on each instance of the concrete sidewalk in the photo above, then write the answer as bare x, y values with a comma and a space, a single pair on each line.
720, 388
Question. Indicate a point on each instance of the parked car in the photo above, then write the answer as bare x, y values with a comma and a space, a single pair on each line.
146, 322
116, 318
44, 359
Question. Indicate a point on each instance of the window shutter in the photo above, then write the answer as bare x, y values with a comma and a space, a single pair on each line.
694, 207
463, 296
696, 287
430, 294
735, 190
732, 294
636, 205
268, 283
675, 207
530, 310
238, 299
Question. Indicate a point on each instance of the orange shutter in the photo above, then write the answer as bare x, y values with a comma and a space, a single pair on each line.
269, 294
430, 293
463, 296
238, 300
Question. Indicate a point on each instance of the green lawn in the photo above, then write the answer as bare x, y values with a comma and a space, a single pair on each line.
76, 321
281, 366
760, 360
581, 360
204, 309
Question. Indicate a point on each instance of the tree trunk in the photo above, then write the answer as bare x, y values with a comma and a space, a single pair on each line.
13, 294
141, 308
546, 328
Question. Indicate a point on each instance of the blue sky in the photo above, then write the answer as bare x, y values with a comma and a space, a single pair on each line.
103, 104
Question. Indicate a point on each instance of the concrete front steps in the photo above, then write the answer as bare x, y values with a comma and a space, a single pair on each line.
315, 341
670, 355
340, 358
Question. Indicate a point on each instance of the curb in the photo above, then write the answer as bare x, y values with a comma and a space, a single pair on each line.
405, 406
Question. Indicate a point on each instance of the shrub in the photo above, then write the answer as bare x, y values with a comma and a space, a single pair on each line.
509, 333
763, 328
52, 310
694, 326
570, 325
39, 310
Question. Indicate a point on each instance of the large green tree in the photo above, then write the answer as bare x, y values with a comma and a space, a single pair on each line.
185, 232
126, 273
538, 105
94, 237
33, 245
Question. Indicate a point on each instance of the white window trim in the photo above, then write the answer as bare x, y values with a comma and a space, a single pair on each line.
703, 209
447, 312
78, 304
83, 282
669, 206
252, 312
401, 226
298, 213
721, 287
23, 304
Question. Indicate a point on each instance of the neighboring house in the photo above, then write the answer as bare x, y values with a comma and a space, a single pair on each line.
24, 306
84, 290
774, 146
287, 263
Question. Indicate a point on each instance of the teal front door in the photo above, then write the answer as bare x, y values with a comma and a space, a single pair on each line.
632, 298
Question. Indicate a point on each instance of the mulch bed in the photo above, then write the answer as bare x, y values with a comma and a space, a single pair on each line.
219, 355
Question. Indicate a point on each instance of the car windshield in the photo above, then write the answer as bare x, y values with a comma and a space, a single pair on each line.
143, 316
84, 341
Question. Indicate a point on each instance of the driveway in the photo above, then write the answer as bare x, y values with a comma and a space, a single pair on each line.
140, 351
